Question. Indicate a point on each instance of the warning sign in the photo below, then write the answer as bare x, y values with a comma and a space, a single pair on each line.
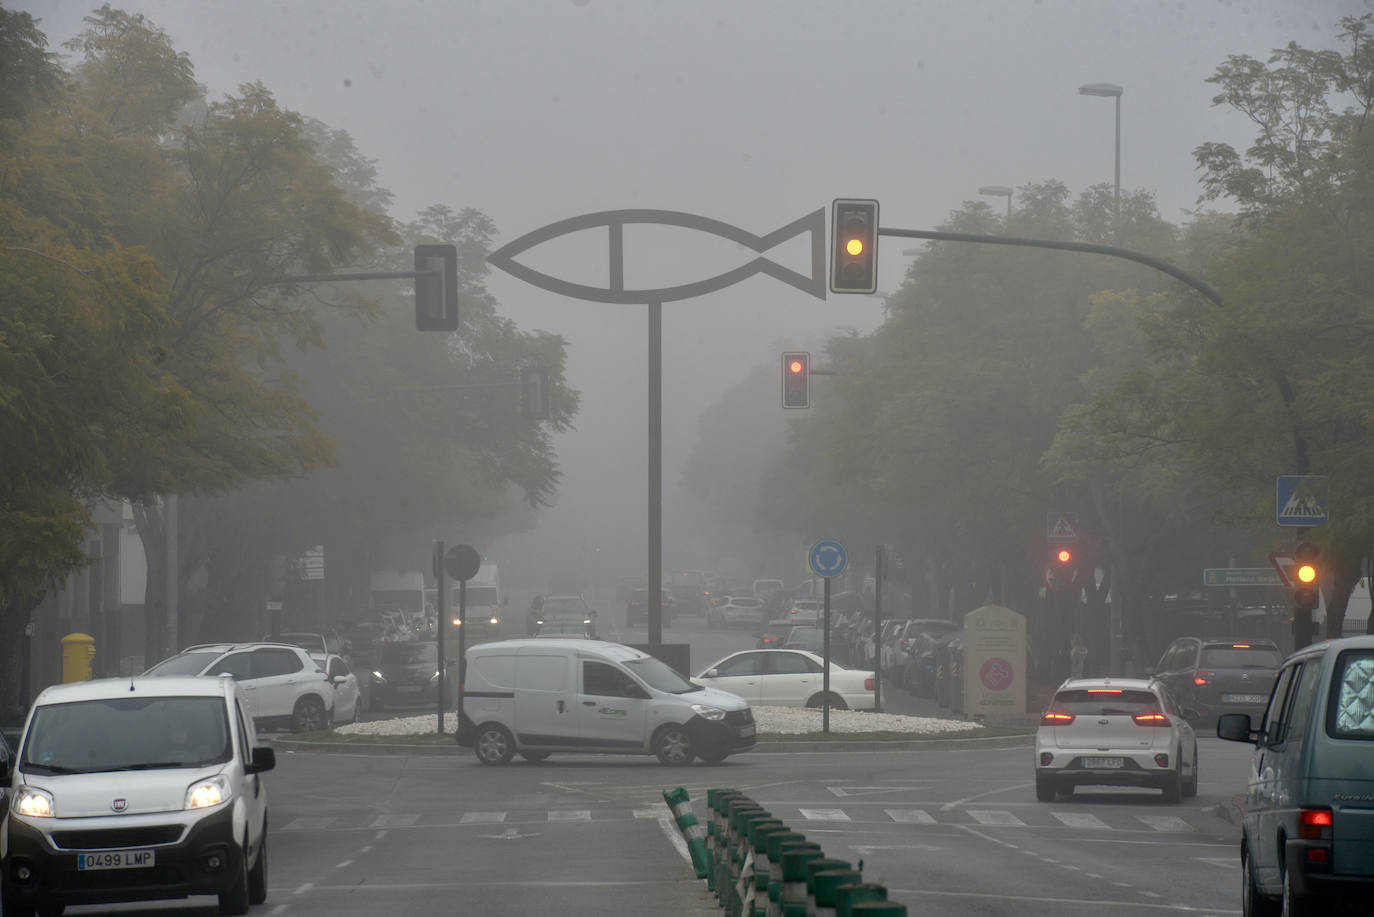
1061, 528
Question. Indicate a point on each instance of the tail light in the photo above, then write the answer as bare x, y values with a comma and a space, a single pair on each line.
1201, 678
1054, 718
1151, 719
868, 684
1314, 824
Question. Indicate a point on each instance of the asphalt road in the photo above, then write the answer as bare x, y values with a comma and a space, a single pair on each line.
948, 831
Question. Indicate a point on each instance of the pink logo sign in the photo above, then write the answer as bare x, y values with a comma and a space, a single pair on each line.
996, 674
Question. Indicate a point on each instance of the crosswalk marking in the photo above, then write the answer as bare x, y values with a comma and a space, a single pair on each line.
570, 815
660, 812
394, 821
824, 814
995, 817
1079, 820
910, 816
1166, 822
482, 818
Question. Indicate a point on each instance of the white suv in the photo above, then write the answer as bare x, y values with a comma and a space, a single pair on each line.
1114, 732
283, 686
135, 789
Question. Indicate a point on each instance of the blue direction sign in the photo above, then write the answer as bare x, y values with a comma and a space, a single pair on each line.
828, 559
1300, 499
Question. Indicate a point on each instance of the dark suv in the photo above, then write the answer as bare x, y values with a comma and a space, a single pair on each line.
1219, 675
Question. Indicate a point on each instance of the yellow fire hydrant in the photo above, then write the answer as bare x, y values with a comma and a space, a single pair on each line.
77, 652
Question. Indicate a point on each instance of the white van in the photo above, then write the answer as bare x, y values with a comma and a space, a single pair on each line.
540, 696
133, 789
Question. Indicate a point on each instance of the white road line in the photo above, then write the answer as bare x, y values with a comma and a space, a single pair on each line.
824, 814
910, 816
482, 818
674, 835
1006, 789
394, 821
344, 864
995, 817
1079, 819
570, 815
308, 824
1166, 823
650, 813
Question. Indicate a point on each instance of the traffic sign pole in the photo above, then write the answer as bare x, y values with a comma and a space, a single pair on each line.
825, 661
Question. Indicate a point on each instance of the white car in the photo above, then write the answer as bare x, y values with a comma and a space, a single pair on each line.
804, 611
788, 678
347, 691
132, 789
736, 611
1114, 732
283, 687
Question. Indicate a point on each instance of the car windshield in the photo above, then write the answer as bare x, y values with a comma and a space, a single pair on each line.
185, 663
658, 674
1236, 657
127, 733
572, 606
1105, 702
410, 653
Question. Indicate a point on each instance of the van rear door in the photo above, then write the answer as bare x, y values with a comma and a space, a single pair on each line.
544, 699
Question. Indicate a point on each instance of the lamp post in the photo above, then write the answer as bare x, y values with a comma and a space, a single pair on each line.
998, 191
1110, 90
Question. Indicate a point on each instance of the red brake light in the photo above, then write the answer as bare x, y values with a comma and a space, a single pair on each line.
1314, 824
868, 684
1151, 719
1104, 690
1240, 646
1053, 718
1201, 678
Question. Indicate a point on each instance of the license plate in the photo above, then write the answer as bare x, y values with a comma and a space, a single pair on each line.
1102, 762
408, 689
747, 731
1243, 698
114, 859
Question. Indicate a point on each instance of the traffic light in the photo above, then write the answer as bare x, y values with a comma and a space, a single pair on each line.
1060, 572
436, 288
796, 380
1306, 576
854, 253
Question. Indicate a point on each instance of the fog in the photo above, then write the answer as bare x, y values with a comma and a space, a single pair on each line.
751, 113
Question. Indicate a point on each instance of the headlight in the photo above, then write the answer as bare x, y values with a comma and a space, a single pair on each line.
495, 620
209, 792
33, 803
708, 713
378, 676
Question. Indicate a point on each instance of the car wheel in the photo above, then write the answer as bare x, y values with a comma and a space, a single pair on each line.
309, 715
534, 757
1190, 785
234, 900
257, 876
1173, 784
1044, 789
494, 745
1294, 906
673, 745
1252, 902
836, 702
714, 757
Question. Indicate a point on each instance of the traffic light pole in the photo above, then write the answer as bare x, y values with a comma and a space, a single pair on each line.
655, 473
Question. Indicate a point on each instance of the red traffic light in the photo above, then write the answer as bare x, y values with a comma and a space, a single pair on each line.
796, 380
1063, 555
795, 366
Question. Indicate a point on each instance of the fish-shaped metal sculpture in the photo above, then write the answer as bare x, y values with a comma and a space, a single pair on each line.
616, 220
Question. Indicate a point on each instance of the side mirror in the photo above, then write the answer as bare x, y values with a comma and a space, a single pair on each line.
710, 673
1149, 670
1235, 727
264, 759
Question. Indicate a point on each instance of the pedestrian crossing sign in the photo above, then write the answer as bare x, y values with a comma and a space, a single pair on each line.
1061, 528
1300, 499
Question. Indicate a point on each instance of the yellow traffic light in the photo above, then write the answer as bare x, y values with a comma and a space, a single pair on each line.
1307, 573
854, 255
854, 246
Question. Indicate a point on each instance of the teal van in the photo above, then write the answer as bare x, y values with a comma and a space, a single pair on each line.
1307, 845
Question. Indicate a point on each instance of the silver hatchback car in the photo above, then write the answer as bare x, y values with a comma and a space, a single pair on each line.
1114, 732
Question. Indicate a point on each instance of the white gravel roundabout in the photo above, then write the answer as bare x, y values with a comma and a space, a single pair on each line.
770, 720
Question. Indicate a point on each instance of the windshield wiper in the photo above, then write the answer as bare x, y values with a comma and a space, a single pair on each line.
53, 768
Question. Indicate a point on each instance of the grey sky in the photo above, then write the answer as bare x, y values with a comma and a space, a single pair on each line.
754, 113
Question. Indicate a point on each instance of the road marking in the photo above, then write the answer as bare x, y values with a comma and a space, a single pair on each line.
394, 821
995, 817
510, 834
482, 818
650, 813
824, 814
1166, 823
843, 791
308, 824
1079, 819
570, 815
1006, 789
910, 816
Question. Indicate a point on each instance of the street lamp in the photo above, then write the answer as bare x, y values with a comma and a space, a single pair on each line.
1110, 90
998, 191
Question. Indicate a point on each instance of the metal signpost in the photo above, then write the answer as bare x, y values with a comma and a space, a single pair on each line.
460, 562
827, 559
